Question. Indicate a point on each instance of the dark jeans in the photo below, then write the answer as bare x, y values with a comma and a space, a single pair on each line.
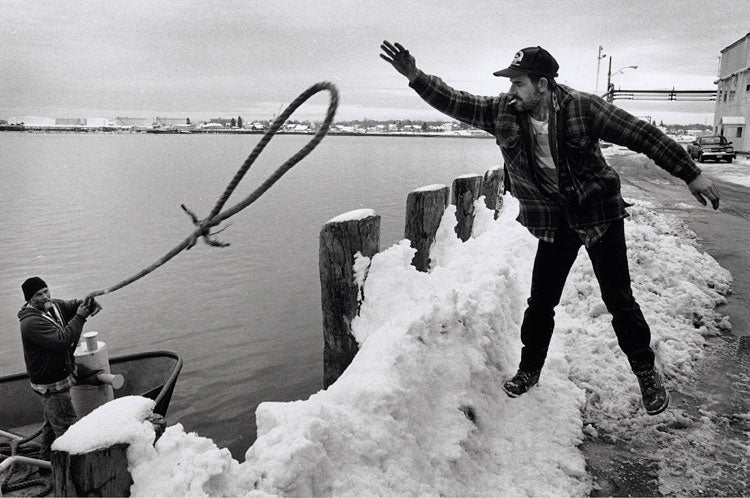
59, 414
551, 267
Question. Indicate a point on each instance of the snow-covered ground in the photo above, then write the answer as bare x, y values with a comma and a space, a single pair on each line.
421, 411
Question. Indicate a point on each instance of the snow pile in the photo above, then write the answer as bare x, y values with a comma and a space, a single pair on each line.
120, 421
421, 411
677, 286
181, 464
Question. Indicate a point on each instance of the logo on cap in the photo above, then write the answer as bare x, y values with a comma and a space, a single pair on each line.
517, 59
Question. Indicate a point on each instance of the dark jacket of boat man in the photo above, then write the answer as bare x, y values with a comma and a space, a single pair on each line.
569, 196
50, 331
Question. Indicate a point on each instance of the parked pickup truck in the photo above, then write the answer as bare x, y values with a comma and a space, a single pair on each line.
714, 147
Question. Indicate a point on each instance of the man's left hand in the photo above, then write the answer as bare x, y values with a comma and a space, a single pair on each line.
93, 306
400, 58
703, 188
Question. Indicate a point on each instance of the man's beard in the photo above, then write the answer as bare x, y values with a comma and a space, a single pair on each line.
523, 105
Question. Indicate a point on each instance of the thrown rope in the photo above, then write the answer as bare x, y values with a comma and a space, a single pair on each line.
217, 216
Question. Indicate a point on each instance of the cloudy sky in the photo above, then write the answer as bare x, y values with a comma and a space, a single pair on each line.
211, 58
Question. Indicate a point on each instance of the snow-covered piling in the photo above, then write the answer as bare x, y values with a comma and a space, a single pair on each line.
342, 239
466, 190
424, 210
91, 458
493, 187
350, 240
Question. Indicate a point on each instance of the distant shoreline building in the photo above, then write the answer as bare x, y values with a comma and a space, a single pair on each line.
733, 94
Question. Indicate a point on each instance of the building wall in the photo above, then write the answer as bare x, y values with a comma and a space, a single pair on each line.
98, 122
733, 93
68, 122
125, 122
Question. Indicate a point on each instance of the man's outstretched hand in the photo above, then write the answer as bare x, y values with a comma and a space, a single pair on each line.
400, 58
703, 188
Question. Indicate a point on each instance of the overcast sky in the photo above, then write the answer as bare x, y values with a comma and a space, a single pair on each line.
201, 59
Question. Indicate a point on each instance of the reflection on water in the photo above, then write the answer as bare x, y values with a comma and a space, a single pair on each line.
86, 211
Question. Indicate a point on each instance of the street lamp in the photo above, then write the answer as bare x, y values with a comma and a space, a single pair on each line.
623, 69
610, 74
598, 62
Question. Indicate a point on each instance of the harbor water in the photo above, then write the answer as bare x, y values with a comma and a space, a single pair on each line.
85, 211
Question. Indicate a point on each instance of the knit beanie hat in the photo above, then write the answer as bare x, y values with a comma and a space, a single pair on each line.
31, 286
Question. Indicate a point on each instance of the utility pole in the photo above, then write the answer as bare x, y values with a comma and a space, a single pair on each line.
610, 95
599, 58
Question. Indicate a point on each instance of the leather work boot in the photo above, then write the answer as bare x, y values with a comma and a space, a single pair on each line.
655, 396
521, 382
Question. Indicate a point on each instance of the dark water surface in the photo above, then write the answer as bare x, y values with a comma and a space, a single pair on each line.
85, 211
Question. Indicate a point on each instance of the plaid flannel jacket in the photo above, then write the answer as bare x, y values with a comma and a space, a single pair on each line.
589, 189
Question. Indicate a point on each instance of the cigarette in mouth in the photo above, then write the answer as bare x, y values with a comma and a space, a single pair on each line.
512, 101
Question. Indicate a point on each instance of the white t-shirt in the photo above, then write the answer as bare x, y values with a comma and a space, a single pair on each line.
547, 172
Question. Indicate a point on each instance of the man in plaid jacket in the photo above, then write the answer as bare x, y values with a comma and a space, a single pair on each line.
569, 196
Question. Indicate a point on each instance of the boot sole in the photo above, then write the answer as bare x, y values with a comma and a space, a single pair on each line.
661, 408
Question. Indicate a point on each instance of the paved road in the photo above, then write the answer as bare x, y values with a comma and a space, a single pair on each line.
708, 444
725, 234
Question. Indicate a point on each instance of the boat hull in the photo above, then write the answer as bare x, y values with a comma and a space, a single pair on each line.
152, 375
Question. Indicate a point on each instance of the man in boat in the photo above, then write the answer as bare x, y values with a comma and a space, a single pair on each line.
569, 196
50, 330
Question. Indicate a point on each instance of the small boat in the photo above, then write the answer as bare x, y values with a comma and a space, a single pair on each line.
151, 375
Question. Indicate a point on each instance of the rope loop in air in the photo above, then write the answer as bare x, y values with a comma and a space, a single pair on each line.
204, 226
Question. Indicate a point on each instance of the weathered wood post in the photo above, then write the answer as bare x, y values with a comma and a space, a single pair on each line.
492, 189
340, 239
97, 473
424, 210
102, 472
466, 190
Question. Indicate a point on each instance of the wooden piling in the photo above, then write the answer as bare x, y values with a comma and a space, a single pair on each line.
340, 239
492, 189
98, 473
102, 472
424, 210
466, 190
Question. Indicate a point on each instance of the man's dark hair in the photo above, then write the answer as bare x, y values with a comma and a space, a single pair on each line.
551, 83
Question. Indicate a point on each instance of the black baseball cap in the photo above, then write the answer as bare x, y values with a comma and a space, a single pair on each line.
531, 60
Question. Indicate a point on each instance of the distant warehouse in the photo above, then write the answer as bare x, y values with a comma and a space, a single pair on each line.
733, 94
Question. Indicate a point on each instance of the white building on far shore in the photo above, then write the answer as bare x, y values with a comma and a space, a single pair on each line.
99, 123
33, 121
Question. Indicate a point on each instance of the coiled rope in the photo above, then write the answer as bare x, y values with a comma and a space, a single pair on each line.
217, 216
13, 482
